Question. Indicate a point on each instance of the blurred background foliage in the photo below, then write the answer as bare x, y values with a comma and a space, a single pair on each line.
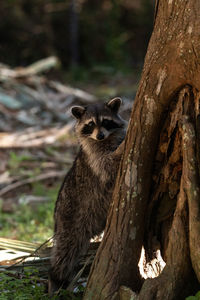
87, 34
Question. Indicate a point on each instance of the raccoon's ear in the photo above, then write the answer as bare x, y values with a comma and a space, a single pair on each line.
77, 111
114, 104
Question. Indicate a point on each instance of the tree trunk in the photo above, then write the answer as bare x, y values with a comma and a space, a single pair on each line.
73, 32
156, 200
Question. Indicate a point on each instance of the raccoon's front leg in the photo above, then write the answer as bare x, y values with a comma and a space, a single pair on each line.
119, 151
69, 247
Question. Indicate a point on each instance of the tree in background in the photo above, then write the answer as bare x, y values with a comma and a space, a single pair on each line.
156, 201
85, 31
74, 32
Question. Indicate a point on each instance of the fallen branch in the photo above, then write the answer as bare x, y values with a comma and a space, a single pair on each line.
30, 139
71, 91
35, 68
41, 177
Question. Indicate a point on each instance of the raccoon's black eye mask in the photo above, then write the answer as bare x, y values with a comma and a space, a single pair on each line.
109, 124
88, 128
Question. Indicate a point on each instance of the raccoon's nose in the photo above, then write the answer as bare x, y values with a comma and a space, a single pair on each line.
100, 136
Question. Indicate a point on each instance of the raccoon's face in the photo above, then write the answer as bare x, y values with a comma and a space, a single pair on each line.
98, 121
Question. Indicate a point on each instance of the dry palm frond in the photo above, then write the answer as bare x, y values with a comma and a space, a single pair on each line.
17, 255
8, 244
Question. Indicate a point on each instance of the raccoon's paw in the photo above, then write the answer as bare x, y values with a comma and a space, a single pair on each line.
120, 149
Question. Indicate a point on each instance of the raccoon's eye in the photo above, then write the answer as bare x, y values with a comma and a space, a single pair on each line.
91, 123
109, 124
88, 128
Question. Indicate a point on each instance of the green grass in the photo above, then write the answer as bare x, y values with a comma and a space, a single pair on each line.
28, 286
27, 223
196, 297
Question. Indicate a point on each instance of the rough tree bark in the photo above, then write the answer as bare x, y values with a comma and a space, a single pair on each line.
156, 200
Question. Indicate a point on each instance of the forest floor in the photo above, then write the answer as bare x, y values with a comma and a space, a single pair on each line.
37, 148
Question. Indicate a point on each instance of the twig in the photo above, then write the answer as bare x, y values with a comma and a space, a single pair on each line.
33, 254
78, 275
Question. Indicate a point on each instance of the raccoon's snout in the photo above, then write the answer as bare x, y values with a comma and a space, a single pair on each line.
100, 136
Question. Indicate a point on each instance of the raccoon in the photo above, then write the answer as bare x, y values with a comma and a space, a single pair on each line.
85, 195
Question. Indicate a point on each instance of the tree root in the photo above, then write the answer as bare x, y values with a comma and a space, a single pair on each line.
191, 187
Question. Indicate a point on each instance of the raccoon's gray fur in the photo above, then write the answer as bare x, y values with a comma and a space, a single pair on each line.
85, 195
